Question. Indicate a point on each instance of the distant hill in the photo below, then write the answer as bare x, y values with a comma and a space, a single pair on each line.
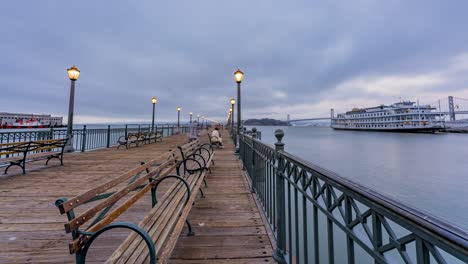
265, 122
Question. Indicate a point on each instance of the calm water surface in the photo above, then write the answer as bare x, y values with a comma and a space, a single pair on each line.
426, 171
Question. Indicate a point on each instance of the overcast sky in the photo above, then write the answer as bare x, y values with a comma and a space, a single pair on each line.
301, 58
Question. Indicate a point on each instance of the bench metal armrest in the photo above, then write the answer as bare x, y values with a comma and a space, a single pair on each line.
142, 233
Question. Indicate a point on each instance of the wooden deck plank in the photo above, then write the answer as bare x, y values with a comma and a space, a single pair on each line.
31, 227
227, 223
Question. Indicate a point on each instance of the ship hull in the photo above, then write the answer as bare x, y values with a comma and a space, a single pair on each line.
400, 130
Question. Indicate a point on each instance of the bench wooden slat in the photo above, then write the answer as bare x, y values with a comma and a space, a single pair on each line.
156, 229
168, 227
122, 208
90, 213
134, 244
153, 217
40, 155
122, 253
164, 221
171, 242
164, 228
85, 197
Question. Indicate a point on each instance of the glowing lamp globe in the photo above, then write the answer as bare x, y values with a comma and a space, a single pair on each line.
239, 75
73, 73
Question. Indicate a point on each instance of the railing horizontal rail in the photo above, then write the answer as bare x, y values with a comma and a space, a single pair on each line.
89, 138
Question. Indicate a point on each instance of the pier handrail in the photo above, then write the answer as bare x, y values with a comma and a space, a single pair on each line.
286, 186
89, 138
452, 235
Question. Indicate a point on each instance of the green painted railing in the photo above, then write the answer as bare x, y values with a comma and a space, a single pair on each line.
318, 216
86, 138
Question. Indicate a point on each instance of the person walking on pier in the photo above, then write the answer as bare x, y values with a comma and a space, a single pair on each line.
216, 137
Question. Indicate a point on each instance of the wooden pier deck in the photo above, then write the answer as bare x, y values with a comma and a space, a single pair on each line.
227, 223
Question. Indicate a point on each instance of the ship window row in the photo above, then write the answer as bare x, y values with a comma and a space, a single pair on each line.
389, 125
385, 120
382, 114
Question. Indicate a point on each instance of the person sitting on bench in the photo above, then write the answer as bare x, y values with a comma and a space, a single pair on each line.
216, 137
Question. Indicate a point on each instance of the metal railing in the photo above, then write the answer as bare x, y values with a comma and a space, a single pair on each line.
318, 216
86, 138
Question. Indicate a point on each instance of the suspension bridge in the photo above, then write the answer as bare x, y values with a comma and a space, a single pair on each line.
450, 106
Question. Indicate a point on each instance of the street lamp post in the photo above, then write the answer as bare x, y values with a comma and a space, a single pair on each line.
191, 117
73, 74
232, 113
178, 118
238, 75
154, 101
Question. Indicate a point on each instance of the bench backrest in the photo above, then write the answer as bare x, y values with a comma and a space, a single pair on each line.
13, 149
56, 145
140, 179
22, 148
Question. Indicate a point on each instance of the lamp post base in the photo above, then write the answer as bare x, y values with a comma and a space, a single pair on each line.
68, 148
278, 255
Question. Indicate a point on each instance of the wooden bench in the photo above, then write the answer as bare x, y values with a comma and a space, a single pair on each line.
139, 138
153, 136
18, 154
128, 140
155, 236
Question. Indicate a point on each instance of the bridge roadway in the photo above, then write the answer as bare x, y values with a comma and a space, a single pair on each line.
227, 223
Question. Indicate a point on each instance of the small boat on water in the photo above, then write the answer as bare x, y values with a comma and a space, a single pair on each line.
405, 116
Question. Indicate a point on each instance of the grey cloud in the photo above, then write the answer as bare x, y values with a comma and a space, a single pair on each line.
184, 52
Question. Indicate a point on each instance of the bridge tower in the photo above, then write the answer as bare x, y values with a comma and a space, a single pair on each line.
332, 115
287, 120
451, 108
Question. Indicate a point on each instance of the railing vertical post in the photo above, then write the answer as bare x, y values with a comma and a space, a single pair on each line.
83, 139
126, 132
108, 136
243, 148
252, 171
51, 133
280, 251
139, 129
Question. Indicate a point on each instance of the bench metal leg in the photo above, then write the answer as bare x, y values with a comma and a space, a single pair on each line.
190, 232
206, 184
201, 193
55, 157
21, 164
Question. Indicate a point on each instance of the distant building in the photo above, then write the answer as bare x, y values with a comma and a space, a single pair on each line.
29, 120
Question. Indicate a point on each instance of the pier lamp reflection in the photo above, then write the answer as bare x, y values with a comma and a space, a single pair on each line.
73, 74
